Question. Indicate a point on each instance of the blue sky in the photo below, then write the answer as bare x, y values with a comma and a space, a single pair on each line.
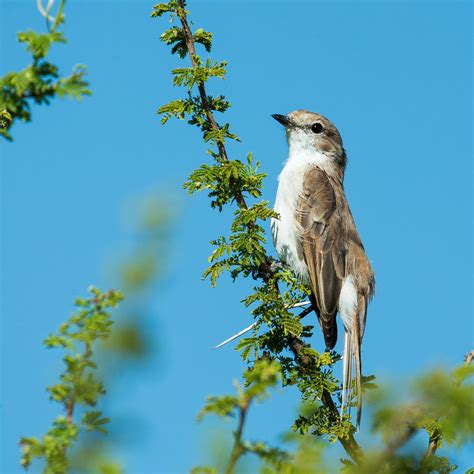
396, 79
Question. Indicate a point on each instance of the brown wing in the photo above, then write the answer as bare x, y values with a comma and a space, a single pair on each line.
322, 245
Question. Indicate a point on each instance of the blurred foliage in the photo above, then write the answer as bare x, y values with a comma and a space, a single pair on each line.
264, 374
39, 82
78, 384
444, 396
137, 274
130, 344
62, 448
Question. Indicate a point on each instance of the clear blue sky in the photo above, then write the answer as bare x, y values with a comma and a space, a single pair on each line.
396, 79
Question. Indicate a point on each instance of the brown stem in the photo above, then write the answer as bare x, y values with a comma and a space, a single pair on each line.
395, 444
70, 409
433, 444
238, 449
349, 444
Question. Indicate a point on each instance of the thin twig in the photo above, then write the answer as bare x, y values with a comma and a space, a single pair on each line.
238, 449
70, 409
45, 11
433, 444
395, 444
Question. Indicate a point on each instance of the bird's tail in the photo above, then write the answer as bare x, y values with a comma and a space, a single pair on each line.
352, 367
327, 322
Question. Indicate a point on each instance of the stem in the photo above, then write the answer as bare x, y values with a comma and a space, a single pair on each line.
266, 269
72, 400
433, 444
59, 15
238, 448
398, 442
70, 409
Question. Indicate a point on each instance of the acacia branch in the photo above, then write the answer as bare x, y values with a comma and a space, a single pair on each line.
266, 270
395, 444
190, 44
70, 409
433, 444
238, 449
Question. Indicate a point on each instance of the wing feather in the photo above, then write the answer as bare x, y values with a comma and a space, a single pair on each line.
322, 246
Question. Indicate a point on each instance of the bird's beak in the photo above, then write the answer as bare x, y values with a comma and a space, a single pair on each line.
283, 119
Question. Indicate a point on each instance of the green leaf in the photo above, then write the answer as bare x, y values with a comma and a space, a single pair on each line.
30, 448
246, 345
161, 8
221, 406
204, 38
74, 86
94, 421
39, 44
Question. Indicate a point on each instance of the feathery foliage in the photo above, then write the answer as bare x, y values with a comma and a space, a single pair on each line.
78, 385
40, 81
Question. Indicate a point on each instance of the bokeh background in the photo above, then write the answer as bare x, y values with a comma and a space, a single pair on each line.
396, 79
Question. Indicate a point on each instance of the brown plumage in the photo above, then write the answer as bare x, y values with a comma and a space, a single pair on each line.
327, 241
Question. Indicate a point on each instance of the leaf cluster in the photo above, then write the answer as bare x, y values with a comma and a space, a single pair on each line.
440, 404
78, 385
39, 82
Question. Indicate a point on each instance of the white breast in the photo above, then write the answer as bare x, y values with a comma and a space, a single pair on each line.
290, 186
284, 230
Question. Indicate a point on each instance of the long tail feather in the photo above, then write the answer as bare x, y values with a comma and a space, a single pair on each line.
352, 366
346, 370
358, 370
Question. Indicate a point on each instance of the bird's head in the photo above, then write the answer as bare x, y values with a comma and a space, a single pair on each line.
309, 132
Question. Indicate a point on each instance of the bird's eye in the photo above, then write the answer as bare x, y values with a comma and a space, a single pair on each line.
317, 127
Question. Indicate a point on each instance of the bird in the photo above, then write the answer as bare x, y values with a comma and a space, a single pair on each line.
316, 237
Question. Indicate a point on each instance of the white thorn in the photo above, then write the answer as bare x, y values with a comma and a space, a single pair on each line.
235, 336
301, 303
247, 329
45, 12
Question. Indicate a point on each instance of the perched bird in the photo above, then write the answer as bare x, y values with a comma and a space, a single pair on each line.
316, 237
